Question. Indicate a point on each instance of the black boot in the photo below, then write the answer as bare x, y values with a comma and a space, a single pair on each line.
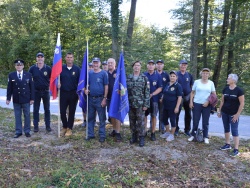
48, 128
36, 128
134, 138
141, 141
153, 137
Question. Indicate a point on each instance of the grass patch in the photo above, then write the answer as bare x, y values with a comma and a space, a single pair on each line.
47, 161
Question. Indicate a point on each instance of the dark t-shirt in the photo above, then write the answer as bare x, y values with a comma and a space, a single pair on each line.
155, 81
171, 94
97, 82
69, 78
231, 100
186, 80
111, 77
41, 76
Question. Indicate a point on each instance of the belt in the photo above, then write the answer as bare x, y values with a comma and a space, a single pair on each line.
41, 90
95, 97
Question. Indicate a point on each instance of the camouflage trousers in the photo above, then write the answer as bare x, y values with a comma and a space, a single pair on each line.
136, 121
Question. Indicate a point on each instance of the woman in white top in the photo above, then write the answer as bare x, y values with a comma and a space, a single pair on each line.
199, 103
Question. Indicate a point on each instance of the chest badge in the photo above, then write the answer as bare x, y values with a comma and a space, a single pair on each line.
154, 83
73, 73
45, 73
172, 89
187, 79
164, 79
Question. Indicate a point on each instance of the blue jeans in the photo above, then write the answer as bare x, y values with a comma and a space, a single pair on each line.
199, 110
41, 95
94, 105
227, 122
18, 109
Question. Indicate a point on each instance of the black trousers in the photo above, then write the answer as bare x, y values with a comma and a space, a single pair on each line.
187, 117
68, 99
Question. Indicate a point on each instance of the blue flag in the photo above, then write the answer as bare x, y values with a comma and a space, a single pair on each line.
119, 105
83, 82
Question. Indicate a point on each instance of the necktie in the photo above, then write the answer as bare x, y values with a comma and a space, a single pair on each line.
19, 76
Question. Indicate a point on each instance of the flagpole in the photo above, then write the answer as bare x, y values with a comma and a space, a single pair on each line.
59, 114
87, 87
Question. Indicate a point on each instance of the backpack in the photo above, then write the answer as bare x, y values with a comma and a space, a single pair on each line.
199, 135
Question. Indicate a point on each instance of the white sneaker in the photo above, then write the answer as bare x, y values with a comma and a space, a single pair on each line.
170, 138
206, 140
191, 139
165, 135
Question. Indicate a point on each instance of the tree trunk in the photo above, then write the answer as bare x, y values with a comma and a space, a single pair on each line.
218, 62
130, 24
195, 37
115, 27
204, 35
231, 41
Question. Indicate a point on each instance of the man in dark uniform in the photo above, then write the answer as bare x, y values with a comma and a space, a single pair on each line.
155, 81
41, 76
97, 96
21, 89
69, 78
165, 80
138, 96
185, 79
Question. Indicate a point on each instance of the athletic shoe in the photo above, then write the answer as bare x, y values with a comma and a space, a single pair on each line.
226, 147
165, 135
176, 133
84, 124
235, 153
191, 139
187, 133
170, 138
206, 140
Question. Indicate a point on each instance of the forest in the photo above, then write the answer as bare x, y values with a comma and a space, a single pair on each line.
209, 33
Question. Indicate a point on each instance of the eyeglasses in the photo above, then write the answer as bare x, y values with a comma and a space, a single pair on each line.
19, 65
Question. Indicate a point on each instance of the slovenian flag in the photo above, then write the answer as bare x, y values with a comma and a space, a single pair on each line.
56, 68
119, 105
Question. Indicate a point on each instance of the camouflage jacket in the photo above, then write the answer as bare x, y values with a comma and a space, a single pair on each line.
138, 91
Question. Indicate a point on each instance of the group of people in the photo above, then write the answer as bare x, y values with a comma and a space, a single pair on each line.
149, 93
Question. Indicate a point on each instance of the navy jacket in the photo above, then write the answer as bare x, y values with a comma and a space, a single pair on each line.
22, 91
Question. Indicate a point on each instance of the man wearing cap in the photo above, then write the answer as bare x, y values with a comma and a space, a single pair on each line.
21, 89
155, 81
69, 78
97, 96
90, 66
111, 76
41, 76
185, 79
139, 97
165, 80
105, 65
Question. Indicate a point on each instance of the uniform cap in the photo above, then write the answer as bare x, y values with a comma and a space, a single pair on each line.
39, 54
90, 64
173, 72
183, 61
19, 61
104, 63
160, 61
96, 59
151, 61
